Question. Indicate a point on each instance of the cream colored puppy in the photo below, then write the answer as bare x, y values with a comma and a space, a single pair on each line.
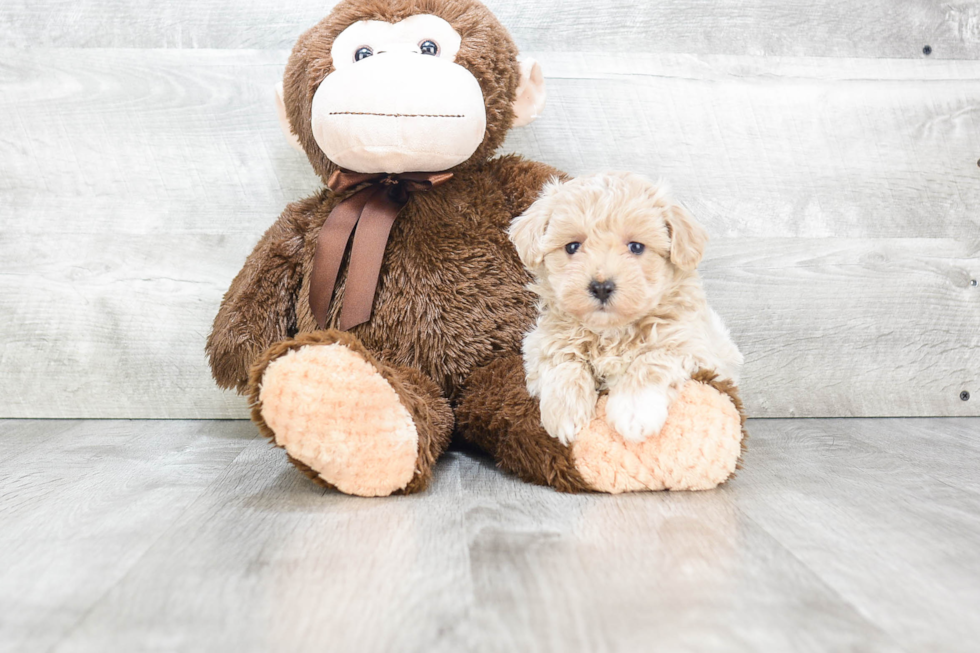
621, 304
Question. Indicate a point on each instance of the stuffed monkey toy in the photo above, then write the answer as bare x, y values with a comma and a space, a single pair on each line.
382, 314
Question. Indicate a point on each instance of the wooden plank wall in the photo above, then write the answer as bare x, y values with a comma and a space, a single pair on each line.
836, 165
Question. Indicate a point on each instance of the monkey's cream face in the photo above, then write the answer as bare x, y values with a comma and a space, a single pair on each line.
396, 101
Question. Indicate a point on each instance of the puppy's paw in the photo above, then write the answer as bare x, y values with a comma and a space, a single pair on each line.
638, 415
565, 412
564, 428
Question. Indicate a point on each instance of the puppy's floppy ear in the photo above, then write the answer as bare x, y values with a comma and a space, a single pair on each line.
528, 229
687, 238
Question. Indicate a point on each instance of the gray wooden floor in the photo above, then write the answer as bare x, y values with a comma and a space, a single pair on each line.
197, 536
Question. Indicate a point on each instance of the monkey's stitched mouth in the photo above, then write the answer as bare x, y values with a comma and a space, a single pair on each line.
396, 115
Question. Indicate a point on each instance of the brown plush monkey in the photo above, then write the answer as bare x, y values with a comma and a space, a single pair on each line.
374, 316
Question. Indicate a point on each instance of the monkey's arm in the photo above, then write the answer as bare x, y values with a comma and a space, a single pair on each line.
521, 180
259, 308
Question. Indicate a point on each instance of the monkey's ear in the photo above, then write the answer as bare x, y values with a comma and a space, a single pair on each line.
287, 129
530, 93
687, 238
528, 229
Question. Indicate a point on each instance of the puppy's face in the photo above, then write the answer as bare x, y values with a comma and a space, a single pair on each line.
606, 269
607, 248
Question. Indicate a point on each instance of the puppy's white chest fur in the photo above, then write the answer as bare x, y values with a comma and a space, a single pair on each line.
558, 340
610, 360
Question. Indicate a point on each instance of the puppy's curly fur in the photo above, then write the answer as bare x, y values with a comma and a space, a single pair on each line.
621, 306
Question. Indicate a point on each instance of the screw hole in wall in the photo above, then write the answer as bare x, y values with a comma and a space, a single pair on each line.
965, 396
973, 282
927, 50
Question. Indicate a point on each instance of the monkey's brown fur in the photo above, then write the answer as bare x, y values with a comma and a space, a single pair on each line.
500, 416
451, 297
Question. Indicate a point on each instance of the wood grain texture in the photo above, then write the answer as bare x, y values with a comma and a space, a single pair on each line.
114, 325
829, 28
82, 504
922, 444
144, 142
826, 325
756, 147
555, 573
842, 196
851, 327
179, 536
777, 147
872, 502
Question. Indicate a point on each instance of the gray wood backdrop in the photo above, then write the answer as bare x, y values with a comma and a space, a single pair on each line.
836, 165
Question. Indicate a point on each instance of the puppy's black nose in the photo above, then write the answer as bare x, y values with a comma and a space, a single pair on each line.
601, 290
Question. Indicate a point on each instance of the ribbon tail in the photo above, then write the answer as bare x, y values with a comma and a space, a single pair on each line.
330, 246
367, 254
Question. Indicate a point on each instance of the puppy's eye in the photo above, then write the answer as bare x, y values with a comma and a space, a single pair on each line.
363, 52
571, 248
637, 248
429, 47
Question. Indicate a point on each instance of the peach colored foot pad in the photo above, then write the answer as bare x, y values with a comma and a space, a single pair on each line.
332, 410
697, 449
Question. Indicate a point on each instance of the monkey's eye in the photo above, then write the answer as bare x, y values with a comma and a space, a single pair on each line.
363, 53
637, 248
429, 47
571, 248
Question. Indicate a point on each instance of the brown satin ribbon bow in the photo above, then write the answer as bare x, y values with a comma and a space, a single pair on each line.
369, 214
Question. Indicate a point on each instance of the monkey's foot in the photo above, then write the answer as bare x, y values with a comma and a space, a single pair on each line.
697, 449
332, 411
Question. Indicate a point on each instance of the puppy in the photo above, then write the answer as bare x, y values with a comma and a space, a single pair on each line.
621, 307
